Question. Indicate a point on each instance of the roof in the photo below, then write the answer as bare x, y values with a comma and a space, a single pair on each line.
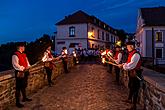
153, 16
82, 17
78, 17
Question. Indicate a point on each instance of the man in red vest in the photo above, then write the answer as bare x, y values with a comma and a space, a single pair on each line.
133, 65
20, 64
64, 55
48, 59
117, 59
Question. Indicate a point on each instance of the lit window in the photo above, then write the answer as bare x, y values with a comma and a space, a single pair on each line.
159, 53
72, 31
104, 26
159, 37
93, 32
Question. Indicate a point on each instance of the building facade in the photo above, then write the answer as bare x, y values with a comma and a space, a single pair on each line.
84, 31
151, 33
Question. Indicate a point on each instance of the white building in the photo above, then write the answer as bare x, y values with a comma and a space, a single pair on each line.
151, 25
85, 31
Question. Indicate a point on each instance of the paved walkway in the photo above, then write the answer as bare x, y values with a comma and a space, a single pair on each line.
86, 87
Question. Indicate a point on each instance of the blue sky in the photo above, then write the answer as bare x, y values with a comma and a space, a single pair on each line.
26, 20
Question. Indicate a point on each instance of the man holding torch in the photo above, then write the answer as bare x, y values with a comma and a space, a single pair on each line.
48, 63
133, 66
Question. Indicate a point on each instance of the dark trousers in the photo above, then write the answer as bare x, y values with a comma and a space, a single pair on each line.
134, 86
21, 84
65, 66
117, 72
74, 60
109, 68
49, 75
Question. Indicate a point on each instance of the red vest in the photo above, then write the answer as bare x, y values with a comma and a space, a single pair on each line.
22, 59
51, 63
130, 54
50, 55
116, 55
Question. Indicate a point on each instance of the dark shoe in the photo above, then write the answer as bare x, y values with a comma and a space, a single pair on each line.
52, 83
19, 105
127, 101
132, 108
26, 99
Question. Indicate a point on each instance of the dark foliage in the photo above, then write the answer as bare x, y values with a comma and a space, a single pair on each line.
34, 51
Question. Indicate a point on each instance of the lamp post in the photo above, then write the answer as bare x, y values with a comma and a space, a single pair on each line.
153, 48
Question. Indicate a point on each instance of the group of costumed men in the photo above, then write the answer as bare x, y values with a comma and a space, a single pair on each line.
132, 64
21, 65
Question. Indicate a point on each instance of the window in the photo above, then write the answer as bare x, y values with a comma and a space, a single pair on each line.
93, 32
159, 37
107, 37
62, 42
92, 45
102, 35
94, 20
104, 26
99, 23
72, 31
112, 39
98, 34
159, 52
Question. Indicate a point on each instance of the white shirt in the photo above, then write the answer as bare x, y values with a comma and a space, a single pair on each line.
64, 53
131, 65
46, 56
85, 53
15, 63
118, 58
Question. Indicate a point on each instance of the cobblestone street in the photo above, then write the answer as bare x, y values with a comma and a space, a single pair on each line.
86, 87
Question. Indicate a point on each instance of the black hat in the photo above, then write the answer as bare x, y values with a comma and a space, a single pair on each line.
21, 44
130, 43
63, 48
117, 46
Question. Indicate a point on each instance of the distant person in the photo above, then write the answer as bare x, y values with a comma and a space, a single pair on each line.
117, 59
21, 64
64, 54
48, 59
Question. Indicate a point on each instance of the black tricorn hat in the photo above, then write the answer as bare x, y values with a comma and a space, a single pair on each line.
117, 46
130, 43
63, 48
21, 44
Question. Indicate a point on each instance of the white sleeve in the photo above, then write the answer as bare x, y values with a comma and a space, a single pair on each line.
15, 63
44, 58
134, 60
118, 58
49, 59
28, 62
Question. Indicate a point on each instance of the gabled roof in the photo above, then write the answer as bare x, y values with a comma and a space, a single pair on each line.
82, 17
153, 16
77, 17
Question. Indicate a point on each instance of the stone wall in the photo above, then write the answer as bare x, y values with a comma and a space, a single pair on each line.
36, 80
152, 92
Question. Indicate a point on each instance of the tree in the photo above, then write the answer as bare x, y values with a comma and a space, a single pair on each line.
34, 50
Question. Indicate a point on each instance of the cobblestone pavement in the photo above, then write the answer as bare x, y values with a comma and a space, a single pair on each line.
86, 87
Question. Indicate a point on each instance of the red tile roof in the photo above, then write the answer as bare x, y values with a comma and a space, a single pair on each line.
82, 17
153, 16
